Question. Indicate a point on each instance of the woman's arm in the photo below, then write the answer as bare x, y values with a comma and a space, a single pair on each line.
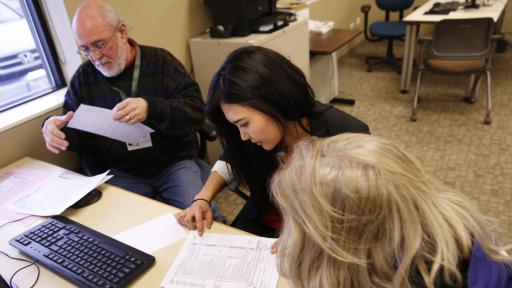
199, 213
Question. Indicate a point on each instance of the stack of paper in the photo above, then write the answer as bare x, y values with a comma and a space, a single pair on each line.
320, 26
49, 193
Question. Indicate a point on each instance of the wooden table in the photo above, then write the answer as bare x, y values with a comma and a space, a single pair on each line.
323, 48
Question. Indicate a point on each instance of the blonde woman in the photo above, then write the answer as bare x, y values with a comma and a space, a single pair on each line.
364, 214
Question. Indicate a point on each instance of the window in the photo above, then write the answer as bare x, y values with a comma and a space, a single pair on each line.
27, 59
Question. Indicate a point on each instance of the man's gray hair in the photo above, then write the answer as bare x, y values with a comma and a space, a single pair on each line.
110, 15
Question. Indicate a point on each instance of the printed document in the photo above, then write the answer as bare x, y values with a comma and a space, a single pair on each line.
101, 121
221, 260
15, 182
56, 193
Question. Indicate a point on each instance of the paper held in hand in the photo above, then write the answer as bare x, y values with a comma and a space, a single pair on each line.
101, 121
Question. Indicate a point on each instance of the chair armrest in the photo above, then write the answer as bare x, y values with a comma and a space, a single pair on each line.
234, 187
365, 9
424, 39
208, 132
496, 37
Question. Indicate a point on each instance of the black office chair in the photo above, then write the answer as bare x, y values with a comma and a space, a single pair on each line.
386, 30
459, 47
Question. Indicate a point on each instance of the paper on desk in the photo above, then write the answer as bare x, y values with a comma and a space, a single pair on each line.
154, 234
14, 183
220, 260
101, 121
56, 193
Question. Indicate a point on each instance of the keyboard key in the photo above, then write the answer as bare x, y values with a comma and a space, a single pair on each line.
23, 241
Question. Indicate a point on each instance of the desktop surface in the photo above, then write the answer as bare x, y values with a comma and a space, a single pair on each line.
117, 211
493, 10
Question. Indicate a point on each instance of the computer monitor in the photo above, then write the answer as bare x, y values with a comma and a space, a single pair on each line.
234, 17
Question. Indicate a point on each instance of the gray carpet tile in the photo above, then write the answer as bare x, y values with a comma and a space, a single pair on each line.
449, 137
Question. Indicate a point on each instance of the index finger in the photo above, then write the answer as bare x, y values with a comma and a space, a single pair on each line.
199, 221
55, 132
120, 106
209, 218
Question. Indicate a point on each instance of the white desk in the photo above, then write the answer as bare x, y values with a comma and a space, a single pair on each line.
324, 63
118, 210
417, 17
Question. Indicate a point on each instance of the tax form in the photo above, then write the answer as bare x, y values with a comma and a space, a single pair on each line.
101, 121
221, 260
56, 193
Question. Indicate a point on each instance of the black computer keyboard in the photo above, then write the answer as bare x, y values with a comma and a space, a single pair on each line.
82, 255
445, 7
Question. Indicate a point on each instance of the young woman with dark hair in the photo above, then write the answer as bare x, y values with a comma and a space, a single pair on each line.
261, 105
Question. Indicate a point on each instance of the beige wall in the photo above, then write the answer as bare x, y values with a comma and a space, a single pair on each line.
26, 140
507, 24
345, 12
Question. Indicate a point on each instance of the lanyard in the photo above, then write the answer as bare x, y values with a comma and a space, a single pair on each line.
135, 78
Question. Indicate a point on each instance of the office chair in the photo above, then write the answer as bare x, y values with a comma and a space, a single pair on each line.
459, 47
386, 30
208, 134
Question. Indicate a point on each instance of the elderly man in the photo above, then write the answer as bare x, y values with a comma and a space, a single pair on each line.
140, 84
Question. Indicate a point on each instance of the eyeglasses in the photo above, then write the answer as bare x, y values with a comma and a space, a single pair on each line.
99, 46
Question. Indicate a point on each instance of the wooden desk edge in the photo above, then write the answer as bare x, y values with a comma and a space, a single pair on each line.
331, 41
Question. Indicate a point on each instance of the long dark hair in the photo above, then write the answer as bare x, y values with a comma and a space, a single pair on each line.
264, 80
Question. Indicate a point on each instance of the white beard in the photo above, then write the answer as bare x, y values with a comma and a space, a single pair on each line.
118, 66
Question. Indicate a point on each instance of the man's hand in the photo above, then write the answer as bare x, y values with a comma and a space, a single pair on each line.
131, 110
196, 216
54, 138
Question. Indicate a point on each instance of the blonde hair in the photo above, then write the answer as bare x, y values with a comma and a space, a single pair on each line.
360, 212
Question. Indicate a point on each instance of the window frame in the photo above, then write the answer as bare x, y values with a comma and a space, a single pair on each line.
34, 17
60, 34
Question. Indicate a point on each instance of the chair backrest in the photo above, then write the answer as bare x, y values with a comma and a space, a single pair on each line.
394, 5
462, 38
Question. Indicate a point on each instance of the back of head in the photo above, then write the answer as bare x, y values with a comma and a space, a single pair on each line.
266, 81
363, 213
